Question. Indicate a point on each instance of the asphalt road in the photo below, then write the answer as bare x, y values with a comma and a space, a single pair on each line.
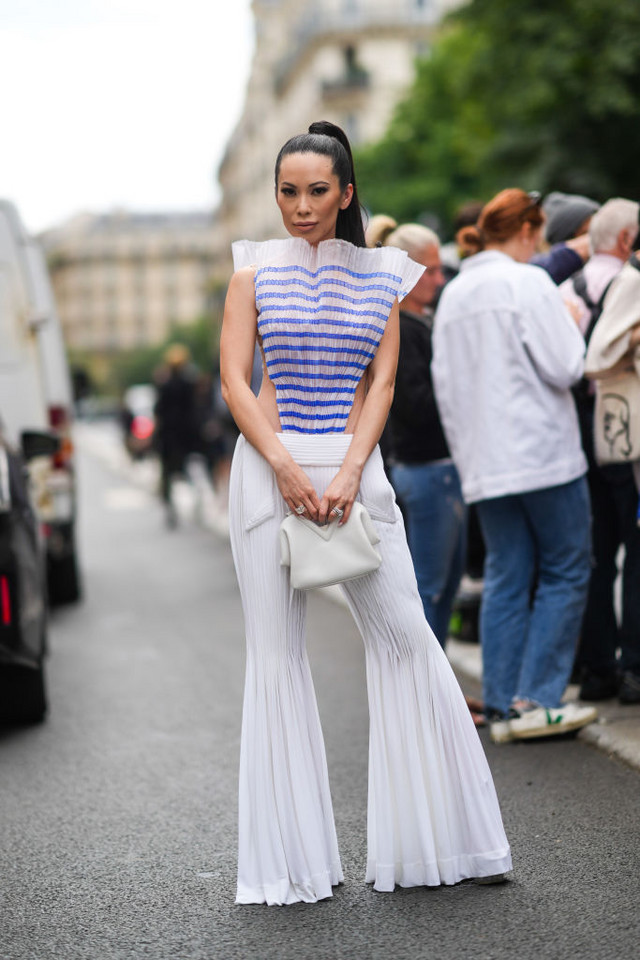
118, 815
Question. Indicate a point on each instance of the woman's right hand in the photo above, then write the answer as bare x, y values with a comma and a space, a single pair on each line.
297, 489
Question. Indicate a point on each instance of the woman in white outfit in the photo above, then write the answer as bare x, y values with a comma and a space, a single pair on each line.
325, 312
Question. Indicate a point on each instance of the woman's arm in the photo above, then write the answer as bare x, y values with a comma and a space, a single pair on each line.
344, 487
237, 346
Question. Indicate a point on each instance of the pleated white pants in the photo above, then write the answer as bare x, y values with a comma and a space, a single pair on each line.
433, 814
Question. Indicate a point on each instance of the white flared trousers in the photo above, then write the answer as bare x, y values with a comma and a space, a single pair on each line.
433, 814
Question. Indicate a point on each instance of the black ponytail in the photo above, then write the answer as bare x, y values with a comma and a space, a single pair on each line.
331, 141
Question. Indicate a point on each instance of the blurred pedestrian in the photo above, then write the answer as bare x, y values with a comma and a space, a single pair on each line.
566, 231
422, 471
612, 233
326, 313
452, 254
176, 414
506, 353
613, 354
568, 215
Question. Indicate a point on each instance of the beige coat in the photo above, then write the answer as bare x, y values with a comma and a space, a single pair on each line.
609, 352
611, 355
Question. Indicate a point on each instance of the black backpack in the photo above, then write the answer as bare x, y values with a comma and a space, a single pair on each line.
595, 309
581, 390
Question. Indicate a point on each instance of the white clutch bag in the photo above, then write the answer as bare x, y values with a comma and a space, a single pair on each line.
320, 556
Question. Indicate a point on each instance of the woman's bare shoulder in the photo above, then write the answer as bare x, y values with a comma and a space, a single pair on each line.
242, 282
244, 275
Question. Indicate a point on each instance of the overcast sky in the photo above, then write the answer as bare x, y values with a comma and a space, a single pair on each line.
118, 103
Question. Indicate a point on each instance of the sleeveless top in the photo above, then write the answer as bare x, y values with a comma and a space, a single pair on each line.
322, 311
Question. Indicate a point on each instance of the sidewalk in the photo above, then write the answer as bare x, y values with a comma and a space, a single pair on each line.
617, 731
195, 499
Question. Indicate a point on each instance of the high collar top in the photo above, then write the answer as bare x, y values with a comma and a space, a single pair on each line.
322, 311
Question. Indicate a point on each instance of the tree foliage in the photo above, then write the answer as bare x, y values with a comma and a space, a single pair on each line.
110, 374
536, 93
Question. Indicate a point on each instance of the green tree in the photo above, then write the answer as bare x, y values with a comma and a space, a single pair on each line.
544, 94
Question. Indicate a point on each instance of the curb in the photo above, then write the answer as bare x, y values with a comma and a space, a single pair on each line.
616, 732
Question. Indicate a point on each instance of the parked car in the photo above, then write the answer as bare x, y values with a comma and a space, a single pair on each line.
23, 586
36, 394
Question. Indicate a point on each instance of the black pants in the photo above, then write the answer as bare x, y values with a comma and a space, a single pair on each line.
614, 502
172, 464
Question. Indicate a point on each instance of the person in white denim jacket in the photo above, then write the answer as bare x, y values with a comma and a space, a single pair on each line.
506, 352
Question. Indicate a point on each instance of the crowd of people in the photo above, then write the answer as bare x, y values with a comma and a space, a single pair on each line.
493, 412
493, 420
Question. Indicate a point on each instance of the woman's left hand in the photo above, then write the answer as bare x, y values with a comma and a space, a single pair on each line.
340, 495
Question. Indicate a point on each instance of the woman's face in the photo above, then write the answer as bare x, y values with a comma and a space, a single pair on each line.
309, 196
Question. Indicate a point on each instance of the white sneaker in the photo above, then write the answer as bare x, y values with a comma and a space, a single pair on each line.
500, 730
549, 722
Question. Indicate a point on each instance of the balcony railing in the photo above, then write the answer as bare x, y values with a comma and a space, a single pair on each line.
347, 83
356, 17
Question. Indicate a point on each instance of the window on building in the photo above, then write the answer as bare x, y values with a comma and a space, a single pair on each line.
351, 127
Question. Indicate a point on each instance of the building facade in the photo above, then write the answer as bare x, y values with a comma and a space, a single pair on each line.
122, 280
347, 61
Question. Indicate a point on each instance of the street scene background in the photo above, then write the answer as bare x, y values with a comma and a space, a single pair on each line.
143, 138
119, 813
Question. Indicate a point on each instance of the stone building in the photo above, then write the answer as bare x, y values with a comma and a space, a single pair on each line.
347, 61
121, 280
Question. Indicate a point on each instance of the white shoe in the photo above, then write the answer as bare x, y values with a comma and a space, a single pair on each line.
500, 730
549, 722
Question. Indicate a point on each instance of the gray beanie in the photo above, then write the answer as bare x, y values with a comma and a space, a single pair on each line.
565, 213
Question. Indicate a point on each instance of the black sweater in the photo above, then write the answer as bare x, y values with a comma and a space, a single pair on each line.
414, 430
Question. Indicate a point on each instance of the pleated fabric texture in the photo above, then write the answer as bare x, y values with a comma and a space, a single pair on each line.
322, 311
433, 814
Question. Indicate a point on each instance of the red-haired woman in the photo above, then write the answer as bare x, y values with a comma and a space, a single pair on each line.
506, 353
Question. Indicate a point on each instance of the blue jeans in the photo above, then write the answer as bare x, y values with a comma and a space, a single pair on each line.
535, 589
436, 516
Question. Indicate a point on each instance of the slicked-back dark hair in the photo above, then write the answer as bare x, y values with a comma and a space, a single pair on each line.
328, 140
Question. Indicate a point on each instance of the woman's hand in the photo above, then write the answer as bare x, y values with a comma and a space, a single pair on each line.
297, 489
574, 310
340, 495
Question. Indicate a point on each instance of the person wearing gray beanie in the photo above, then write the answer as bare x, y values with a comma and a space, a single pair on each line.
568, 215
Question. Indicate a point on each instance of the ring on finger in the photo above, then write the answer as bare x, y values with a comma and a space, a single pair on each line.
338, 512
300, 509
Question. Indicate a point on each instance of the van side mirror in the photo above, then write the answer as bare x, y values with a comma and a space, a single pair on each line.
38, 443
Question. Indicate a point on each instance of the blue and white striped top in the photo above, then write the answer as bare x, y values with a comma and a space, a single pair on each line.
321, 314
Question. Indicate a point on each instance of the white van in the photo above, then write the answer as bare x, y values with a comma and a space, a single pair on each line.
36, 394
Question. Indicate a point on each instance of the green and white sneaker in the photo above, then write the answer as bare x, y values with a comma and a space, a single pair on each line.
549, 722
